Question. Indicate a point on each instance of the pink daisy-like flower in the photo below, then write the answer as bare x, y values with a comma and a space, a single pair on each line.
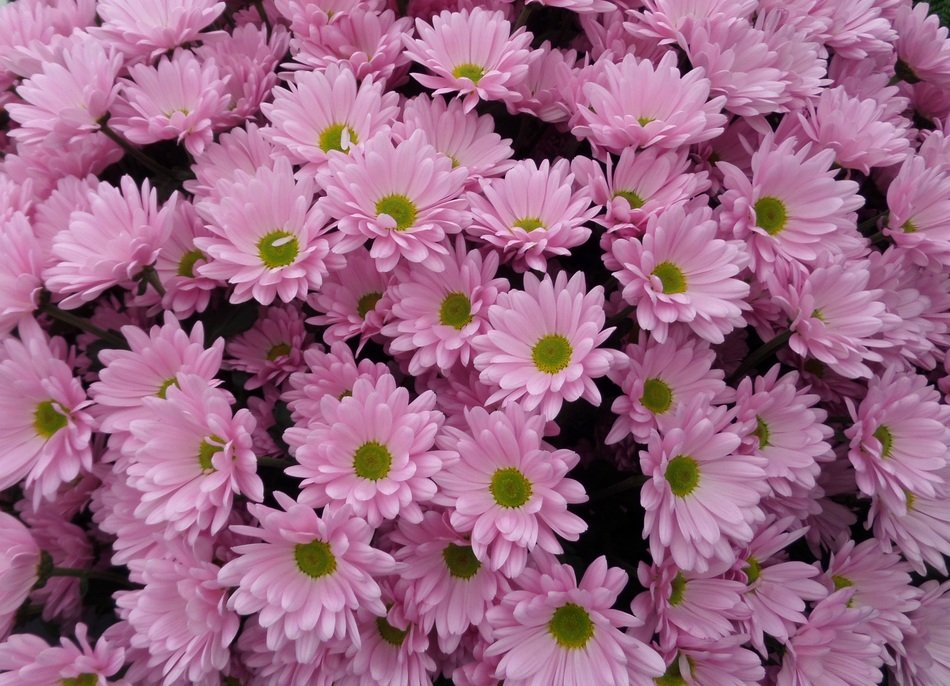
44, 422
791, 206
268, 240
919, 528
834, 643
19, 568
308, 576
28, 659
918, 202
509, 488
680, 272
242, 149
702, 498
444, 585
272, 349
546, 93
922, 45
180, 617
149, 368
435, 315
189, 456
542, 348
186, 291
144, 29
922, 660
724, 662
403, 196
327, 110
20, 271
657, 377
351, 301
785, 428
179, 99
532, 213
900, 439
554, 630
467, 138
664, 20
28, 30
372, 450
666, 109
472, 52
109, 244
281, 666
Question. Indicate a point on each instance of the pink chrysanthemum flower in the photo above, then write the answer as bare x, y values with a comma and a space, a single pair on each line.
113, 510
554, 630
272, 349
473, 53
509, 488
44, 423
352, 300
435, 315
308, 576
190, 456
922, 660
29, 29
784, 427
186, 291
543, 346
111, 243
403, 196
923, 47
702, 498
268, 239
149, 368
327, 110
531, 214
835, 316
641, 184
666, 109
664, 20
67, 99
19, 568
242, 149
180, 617
20, 272
144, 29
467, 138
900, 439
179, 99
372, 450
698, 662
28, 659
833, 643
281, 666
444, 585
918, 201
681, 272
919, 528
791, 206
657, 378
546, 93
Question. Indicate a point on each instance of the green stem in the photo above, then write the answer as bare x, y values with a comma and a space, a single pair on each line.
631, 483
151, 278
134, 152
759, 356
522, 19
273, 463
116, 579
262, 13
621, 316
113, 339
877, 238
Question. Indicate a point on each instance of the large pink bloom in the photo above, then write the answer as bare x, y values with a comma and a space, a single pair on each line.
147, 28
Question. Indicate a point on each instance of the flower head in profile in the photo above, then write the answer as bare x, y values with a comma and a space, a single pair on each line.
472, 52
144, 29
272, 349
19, 566
28, 659
543, 345
21, 271
919, 211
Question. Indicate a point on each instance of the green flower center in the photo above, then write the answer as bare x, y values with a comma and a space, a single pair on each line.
552, 354
186, 265
372, 461
529, 223
909, 226
911, 498
47, 420
571, 626
672, 676
166, 384
886, 438
677, 589
390, 634
332, 137
315, 559
456, 311
510, 488
770, 214
367, 303
841, 582
671, 277
278, 249
279, 350
682, 473
657, 396
753, 570
461, 561
472, 72
643, 121
86, 679
762, 432
400, 208
635, 201
207, 451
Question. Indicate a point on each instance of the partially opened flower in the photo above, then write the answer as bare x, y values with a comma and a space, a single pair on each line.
918, 201
920, 659
28, 659
20, 272
144, 29
923, 49
272, 349
19, 571
919, 528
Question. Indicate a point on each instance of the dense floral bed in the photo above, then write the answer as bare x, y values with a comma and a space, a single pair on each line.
579, 342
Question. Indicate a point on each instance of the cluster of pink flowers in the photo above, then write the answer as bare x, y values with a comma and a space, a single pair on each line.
522, 342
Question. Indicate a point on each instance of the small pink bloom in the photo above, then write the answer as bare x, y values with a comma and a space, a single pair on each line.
918, 201
20, 272
921, 659
919, 528
186, 291
144, 29
18, 568
272, 349
30, 660
923, 47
